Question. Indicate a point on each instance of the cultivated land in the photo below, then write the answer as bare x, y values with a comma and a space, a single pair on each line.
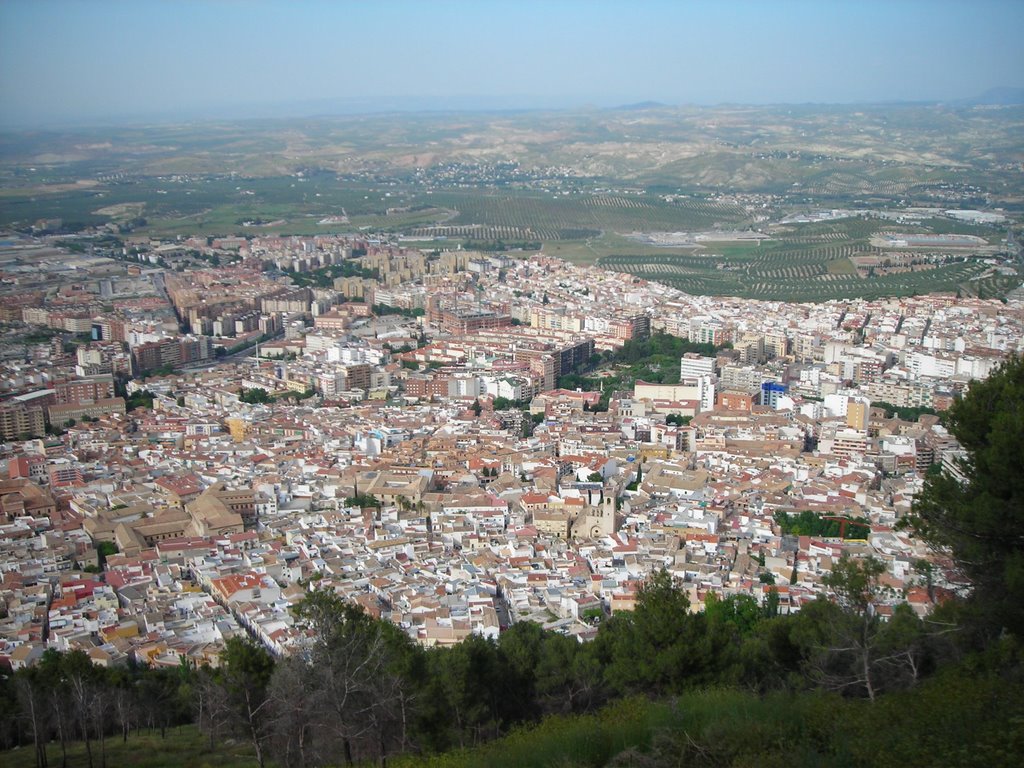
579, 185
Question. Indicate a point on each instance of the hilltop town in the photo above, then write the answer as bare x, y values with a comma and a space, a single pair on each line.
198, 432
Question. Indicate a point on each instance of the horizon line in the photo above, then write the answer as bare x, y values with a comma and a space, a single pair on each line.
339, 107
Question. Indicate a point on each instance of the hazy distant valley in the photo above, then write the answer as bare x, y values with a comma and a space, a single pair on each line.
580, 185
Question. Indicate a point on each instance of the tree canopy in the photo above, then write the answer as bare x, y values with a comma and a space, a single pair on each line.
979, 519
254, 395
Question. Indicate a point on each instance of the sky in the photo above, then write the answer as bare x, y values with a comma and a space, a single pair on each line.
64, 63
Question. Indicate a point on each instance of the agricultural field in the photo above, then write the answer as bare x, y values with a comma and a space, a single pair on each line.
576, 217
296, 205
812, 262
192, 205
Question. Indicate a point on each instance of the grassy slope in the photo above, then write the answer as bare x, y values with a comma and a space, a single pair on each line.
183, 747
955, 719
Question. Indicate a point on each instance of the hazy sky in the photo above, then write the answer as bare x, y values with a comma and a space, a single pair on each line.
65, 62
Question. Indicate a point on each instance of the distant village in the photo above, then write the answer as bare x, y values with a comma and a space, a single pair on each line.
198, 432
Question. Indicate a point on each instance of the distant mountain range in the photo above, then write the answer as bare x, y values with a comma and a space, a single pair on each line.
996, 97
639, 105
999, 97
491, 103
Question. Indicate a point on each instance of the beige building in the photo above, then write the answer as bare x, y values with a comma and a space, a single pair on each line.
23, 498
62, 414
571, 517
18, 420
388, 487
858, 411
212, 516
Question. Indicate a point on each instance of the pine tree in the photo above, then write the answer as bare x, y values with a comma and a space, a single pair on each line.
979, 519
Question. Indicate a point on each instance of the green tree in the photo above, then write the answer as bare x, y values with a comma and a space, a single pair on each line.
141, 398
466, 700
740, 612
83, 686
658, 648
852, 650
979, 520
32, 690
247, 671
568, 676
362, 501
294, 713
635, 485
254, 395
105, 549
521, 648
54, 684
855, 582
357, 698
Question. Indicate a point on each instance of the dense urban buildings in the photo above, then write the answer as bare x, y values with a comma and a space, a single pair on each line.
186, 462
